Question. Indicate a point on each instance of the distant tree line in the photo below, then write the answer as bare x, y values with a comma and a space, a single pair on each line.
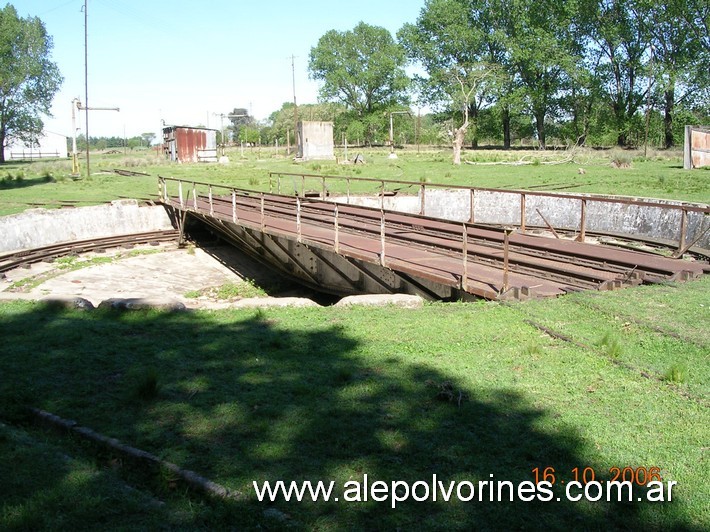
107, 143
599, 72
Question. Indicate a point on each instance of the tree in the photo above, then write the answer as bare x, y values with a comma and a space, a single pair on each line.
28, 78
148, 138
618, 47
453, 49
678, 68
362, 68
241, 120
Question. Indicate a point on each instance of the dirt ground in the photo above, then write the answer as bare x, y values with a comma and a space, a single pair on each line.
156, 272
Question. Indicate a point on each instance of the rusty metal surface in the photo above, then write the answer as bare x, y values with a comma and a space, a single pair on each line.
8, 261
700, 147
188, 144
433, 249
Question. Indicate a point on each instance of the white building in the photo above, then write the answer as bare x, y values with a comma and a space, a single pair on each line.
48, 146
315, 141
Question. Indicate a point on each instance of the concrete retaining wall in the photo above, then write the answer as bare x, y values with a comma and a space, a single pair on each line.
42, 227
504, 208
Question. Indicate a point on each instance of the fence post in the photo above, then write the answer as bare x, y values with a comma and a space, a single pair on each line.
194, 195
464, 277
382, 237
382, 195
337, 236
323, 187
182, 202
583, 222
262, 212
522, 212
234, 206
211, 204
422, 207
348, 182
472, 218
298, 219
506, 241
683, 229
278, 184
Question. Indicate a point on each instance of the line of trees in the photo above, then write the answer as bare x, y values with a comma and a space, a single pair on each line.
580, 72
107, 143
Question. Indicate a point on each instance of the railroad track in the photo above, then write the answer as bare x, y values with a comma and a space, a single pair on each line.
9, 261
560, 266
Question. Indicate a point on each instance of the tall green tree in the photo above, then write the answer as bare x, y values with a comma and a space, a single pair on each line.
453, 48
28, 78
362, 69
677, 47
618, 47
543, 54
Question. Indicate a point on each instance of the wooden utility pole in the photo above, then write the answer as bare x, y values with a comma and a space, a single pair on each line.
86, 80
295, 105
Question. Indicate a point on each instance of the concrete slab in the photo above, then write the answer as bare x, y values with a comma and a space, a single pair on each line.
167, 274
382, 300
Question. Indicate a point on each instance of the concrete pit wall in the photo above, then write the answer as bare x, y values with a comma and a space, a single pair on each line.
35, 228
505, 208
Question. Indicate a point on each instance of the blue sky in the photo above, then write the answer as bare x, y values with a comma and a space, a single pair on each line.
182, 61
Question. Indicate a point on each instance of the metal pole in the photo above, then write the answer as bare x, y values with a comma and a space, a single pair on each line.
337, 236
683, 229
298, 219
522, 212
234, 206
391, 135
583, 222
86, 81
194, 195
262, 212
464, 277
182, 203
74, 155
422, 207
211, 204
505, 259
382, 238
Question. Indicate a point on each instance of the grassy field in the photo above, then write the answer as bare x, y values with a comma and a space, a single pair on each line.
660, 175
463, 391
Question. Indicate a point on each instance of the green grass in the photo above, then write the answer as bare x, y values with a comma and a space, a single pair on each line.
460, 390
243, 289
660, 175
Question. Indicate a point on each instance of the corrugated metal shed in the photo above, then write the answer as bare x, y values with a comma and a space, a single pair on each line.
190, 144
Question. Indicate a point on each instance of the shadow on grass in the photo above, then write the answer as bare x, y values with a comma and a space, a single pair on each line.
251, 396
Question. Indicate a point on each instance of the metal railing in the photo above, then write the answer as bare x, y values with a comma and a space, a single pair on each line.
189, 195
391, 185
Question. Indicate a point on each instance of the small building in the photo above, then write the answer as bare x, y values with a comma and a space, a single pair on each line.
696, 151
48, 145
315, 141
186, 144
